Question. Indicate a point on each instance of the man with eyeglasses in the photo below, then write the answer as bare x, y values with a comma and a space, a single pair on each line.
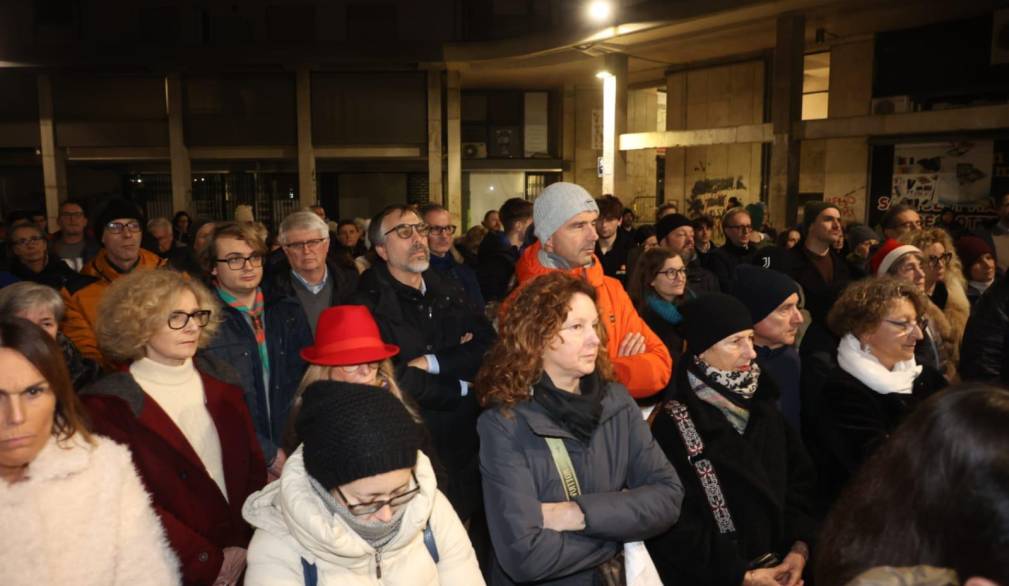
259, 338
899, 220
31, 260
737, 227
71, 243
444, 257
119, 228
306, 272
442, 339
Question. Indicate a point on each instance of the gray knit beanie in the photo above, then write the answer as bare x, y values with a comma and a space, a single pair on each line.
557, 204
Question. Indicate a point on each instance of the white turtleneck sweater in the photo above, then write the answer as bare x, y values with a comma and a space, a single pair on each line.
178, 390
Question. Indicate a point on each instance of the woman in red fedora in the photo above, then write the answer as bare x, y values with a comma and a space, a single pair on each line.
348, 348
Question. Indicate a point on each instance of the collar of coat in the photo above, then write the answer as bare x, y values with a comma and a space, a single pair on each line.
529, 267
101, 267
542, 424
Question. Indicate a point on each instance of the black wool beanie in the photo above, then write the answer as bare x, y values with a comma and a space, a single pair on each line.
711, 318
762, 290
668, 223
117, 209
351, 431
812, 210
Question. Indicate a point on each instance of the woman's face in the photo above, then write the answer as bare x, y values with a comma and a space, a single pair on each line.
43, 317
27, 408
202, 236
983, 269
734, 352
909, 268
362, 374
572, 353
174, 346
671, 279
935, 264
381, 487
182, 223
894, 338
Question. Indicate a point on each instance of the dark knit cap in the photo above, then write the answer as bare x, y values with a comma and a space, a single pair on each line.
812, 209
762, 290
970, 249
859, 233
669, 223
351, 431
711, 318
116, 209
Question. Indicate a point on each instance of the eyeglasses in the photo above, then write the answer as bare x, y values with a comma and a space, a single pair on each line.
24, 242
237, 263
911, 225
674, 273
741, 227
439, 230
305, 244
405, 231
908, 326
178, 319
352, 368
944, 258
361, 509
118, 227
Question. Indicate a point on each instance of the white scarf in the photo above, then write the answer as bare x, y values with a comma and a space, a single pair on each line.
864, 366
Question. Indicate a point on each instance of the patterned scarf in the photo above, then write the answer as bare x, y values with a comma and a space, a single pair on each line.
729, 390
255, 314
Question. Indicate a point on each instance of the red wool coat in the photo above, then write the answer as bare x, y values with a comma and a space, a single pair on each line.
199, 522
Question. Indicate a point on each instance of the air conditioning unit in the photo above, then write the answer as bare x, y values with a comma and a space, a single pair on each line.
892, 105
474, 150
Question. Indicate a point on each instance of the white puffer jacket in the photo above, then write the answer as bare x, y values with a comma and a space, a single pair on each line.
292, 523
81, 516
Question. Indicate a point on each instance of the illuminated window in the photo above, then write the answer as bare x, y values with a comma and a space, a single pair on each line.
815, 85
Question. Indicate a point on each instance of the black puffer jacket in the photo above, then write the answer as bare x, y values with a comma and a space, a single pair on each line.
984, 353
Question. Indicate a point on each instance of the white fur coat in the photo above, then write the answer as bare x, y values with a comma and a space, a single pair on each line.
81, 516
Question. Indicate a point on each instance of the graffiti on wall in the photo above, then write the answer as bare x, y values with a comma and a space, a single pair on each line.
710, 197
846, 203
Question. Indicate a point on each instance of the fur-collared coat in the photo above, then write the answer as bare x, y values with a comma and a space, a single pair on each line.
81, 516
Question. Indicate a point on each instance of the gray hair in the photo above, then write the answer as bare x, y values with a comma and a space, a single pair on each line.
302, 221
159, 223
375, 235
23, 296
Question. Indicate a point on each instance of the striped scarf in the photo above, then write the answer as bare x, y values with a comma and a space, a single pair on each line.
255, 315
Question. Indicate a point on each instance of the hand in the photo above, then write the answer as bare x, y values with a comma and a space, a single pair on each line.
419, 362
789, 572
273, 472
761, 577
465, 338
565, 516
632, 344
231, 567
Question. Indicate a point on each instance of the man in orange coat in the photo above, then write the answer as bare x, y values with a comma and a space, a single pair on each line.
564, 218
119, 229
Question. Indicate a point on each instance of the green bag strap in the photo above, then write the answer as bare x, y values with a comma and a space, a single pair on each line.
562, 460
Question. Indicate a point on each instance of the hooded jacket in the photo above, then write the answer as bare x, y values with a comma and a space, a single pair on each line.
292, 523
643, 374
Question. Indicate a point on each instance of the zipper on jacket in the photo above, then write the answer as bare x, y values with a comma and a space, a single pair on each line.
378, 564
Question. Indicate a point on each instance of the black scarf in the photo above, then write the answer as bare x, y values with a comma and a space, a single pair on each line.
738, 387
577, 413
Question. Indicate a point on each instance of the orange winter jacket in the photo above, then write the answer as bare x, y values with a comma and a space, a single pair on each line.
644, 374
82, 295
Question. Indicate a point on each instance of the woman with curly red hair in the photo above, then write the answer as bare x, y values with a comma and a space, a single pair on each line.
570, 470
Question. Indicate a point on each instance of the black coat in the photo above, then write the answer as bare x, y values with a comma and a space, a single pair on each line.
278, 281
765, 476
55, 273
984, 353
615, 261
853, 420
496, 272
701, 280
666, 331
723, 261
434, 323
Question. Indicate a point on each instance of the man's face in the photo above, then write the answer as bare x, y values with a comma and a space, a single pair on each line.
72, 220
348, 235
123, 248
408, 254
493, 222
42, 222
319, 211
439, 239
607, 227
163, 235
781, 326
826, 227
681, 241
29, 246
628, 220
575, 240
702, 233
306, 250
242, 281
905, 222
738, 229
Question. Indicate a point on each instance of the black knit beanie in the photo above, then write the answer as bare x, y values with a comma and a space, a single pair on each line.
116, 209
668, 223
762, 290
812, 209
711, 318
351, 431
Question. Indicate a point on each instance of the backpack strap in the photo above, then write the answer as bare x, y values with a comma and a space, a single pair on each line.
562, 460
311, 573
432, 547
702, 467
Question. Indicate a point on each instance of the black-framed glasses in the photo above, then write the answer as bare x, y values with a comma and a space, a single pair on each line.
22, 242
305, 244
178, 319
944, 258
908, 326
405, 231
237, 263
119, 227
439, 230
674, 273
362, 509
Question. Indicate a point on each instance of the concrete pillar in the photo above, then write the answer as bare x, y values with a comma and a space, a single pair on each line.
178, 152
453, 200
786, 113
306, 150
54, 162
568, 133
676, 158
436, 190
616, 65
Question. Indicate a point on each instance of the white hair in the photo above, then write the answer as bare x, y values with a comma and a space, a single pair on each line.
302, 221
24, 296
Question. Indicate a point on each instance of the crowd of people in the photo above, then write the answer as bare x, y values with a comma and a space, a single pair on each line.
562, 395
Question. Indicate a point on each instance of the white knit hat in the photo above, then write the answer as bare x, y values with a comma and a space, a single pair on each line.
558, 203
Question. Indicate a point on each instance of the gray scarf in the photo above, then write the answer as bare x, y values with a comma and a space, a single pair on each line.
376, 533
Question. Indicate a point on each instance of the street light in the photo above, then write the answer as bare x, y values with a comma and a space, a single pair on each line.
600, 11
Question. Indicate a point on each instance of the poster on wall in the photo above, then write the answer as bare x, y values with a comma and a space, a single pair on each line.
710, 197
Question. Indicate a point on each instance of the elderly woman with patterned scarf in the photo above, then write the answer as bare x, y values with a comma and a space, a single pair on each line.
746, 516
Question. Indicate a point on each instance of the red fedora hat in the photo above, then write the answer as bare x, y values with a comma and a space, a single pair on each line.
347, 334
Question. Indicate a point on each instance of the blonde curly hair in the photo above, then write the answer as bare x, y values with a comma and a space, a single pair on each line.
137, 305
